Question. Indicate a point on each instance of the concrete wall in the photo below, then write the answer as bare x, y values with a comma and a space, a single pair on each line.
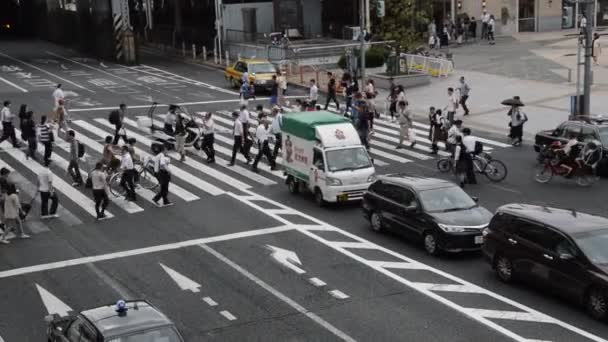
549, 15
233, 16
312, 10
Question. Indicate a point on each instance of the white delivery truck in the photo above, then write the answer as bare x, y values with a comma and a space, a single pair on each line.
322, 152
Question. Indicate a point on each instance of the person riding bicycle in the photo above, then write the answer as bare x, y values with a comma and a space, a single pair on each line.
590, 155
108, 155
567, 154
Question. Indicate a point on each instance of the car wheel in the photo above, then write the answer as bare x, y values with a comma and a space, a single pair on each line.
597, 304
504, 269
375, 221
319, 197
293, 185
430, 244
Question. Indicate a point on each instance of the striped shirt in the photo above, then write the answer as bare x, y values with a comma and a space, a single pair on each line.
44, 133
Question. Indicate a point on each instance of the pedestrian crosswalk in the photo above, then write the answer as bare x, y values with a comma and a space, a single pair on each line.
192, 180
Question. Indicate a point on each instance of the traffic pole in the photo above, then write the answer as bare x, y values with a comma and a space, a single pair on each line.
589, 9
362, 48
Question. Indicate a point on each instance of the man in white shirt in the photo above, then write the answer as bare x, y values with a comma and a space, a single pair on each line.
170, 120
239, 139
453, 132
469, 143
276, 129
262, 134
45, 187
209, 137
127, 180
313, 96
485, 19
452, 105
8, 129
244, 117
58, 95
161, 171
100, 190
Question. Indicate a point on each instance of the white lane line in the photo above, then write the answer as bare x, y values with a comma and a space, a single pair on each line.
222, 177
162, 105
76, 196
317, 282
140, 251
175, 77
354, 245
398, 265
227, 315
406, 151
511, 315
450, 288
281, 211
320, 321
95, 146
13, 85
209, 301
93, 68
46, 72
338, 294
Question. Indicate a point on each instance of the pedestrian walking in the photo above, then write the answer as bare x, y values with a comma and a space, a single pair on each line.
405, 120
163, 174
100, 187
485, 20
244, 117
22, 114
47, 192
331, 94
127, 180
4, 185
464, 90
180, 138
117, 118
363, 124
108, 159
170, 119
239, 139
61, 118
392, 100
282, 79
8, 129
274, 91
277, 128
209, 137
75, 154
452, 106
262, 135
46, 138
12, 214
313, 93
596, 49
516, 125
58, 95
28, 134
473, 28
469, 143
454, 132
460, 160
491, 30
351, 89
438, 130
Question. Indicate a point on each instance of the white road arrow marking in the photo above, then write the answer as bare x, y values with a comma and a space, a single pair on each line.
286, 258
64, 67
53, 304
184, 283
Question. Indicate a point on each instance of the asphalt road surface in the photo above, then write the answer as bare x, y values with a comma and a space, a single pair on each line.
237, 257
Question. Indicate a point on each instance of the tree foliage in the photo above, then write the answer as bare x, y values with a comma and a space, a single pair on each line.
403, 22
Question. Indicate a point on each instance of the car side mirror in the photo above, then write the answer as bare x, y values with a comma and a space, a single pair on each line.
412, 208
555, 133
475, 199
566, 256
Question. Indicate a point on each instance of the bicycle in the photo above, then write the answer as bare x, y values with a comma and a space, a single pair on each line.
483, 163
144, 178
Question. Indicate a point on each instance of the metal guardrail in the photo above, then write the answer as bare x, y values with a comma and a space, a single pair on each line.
435, 67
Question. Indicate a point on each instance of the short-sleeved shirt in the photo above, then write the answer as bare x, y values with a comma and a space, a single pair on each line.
45, 179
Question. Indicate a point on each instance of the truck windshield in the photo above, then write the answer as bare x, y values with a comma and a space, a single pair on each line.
347, 159
164, 334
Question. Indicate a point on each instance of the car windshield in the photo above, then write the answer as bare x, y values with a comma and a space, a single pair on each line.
164, 334
604, 135
347, 159
445, 199
594, 245
265, 68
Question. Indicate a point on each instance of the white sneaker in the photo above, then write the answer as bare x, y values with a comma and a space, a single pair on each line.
9, 236
24, 236
45, 217
4, 241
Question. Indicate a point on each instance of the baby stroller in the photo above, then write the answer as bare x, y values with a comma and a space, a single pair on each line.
194, 137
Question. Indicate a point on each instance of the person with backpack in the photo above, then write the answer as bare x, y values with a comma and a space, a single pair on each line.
471, 146
45, 136
28, 133
76, 152
117, 118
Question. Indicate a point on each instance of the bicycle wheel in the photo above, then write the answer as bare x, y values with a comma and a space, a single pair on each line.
115, 188
444, 165
479, 164
147, 180
495, 171
543, 174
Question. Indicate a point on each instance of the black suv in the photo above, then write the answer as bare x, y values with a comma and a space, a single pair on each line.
586, 128
433, 210
562, 250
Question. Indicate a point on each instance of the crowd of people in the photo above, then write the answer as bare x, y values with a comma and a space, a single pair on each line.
461, 30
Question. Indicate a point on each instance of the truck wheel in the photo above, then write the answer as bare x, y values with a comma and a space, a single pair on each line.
319, 197
292, 185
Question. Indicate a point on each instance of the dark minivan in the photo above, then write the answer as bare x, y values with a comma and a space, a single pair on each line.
433, 210
562, 250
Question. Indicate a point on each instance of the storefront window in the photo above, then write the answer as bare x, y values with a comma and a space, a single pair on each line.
568, 15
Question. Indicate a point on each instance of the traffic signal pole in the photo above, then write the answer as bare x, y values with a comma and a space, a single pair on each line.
589, 10
362, 39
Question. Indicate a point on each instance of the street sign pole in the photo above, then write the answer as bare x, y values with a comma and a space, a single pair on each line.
362, 38
589, 10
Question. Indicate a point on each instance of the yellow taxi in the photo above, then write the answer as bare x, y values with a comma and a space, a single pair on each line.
260, 71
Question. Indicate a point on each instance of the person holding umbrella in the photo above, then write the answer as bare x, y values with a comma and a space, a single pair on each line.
518, 118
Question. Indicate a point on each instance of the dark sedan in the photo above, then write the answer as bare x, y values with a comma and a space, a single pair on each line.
563, 251
435, 211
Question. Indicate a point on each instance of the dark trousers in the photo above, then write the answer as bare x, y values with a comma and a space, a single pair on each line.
208, 141
127, 182
517, 132
264, 150
44, 203
470, 171
74, 171
463, 103
32, 145
451, 117
491, 36
332, 96
168, 129
101, 201
278, 145
164, 178
484, 30
238, 146
313, 105
48, 151
117, 134
349, 103
364, 139
8, 131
